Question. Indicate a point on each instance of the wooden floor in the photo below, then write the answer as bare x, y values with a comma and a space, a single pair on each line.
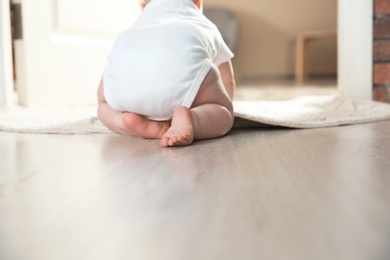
268, 193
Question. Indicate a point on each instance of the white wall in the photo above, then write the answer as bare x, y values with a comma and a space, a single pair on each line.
6, 80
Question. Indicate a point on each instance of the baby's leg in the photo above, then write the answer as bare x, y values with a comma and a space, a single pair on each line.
212, 110
128, 123
181, 132
210, 116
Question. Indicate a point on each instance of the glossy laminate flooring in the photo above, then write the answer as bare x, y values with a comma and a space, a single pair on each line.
267, 193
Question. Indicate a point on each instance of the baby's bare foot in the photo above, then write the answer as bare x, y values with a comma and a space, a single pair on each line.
180, 133
138, 125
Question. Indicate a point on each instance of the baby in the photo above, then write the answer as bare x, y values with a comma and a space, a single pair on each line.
169, 76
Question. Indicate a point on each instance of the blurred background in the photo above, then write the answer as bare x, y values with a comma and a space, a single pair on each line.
60, 47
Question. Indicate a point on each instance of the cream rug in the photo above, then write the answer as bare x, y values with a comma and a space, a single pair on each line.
301, 112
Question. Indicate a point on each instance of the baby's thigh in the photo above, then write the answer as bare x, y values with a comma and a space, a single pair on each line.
100, 93
213, 91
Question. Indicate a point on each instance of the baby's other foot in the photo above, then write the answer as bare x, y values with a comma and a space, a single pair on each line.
140, 126
181, 132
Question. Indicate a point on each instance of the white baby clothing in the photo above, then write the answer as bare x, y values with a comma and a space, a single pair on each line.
160, 62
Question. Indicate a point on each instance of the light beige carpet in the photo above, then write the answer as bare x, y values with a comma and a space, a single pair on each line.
302, 112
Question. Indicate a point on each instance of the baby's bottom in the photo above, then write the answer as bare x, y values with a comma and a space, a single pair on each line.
210, 116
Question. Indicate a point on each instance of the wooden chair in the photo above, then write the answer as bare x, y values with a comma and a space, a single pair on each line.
302, 42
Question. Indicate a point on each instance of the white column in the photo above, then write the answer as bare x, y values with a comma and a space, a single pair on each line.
6, 78
355, 48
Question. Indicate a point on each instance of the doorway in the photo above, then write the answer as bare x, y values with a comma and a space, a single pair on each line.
266, 61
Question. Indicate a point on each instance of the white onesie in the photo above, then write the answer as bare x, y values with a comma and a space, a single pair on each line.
160, 62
